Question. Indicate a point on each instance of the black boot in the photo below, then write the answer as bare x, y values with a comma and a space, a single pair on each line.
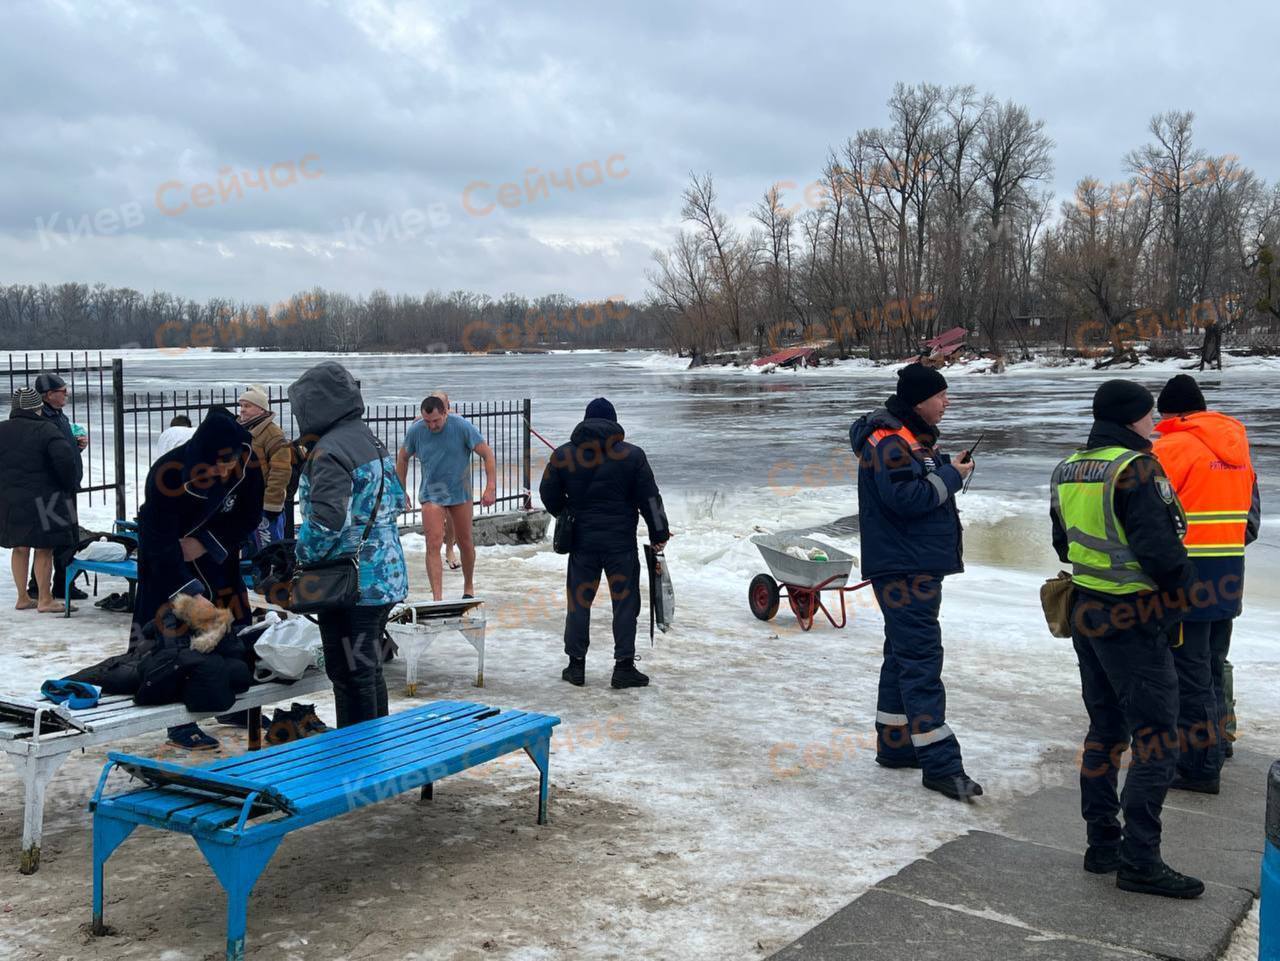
1101, 859
626, 675
576, 672
1158, 879
1199, 787
958, 787
898, 762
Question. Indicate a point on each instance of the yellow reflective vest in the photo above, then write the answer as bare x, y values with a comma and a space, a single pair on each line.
1083, 496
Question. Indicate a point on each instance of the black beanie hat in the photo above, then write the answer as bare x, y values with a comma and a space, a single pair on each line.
916, 383
1122, 402
602, 409
1182, 395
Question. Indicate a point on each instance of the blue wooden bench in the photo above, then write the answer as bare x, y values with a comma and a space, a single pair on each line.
239, 809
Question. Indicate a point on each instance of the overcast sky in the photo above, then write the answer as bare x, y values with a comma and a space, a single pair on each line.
378, 116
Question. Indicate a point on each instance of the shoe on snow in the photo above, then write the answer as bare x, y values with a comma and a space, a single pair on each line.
626, 675
576, 672
1199, 787
1158, 879
1102, 859
958, 787
898, 762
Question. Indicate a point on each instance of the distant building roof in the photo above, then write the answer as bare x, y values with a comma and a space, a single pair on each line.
793, 355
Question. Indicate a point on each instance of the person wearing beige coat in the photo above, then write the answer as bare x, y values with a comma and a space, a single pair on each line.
274, 453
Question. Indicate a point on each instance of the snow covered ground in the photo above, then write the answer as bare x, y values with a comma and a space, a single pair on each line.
717, 814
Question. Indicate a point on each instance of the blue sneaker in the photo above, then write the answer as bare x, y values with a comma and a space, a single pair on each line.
189, 737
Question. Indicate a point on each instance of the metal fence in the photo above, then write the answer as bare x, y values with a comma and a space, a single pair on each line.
124, 426
504, 424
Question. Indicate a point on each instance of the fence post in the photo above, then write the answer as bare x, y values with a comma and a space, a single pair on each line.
117, 429
527, 455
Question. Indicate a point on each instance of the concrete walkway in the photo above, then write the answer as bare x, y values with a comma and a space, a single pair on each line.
1019, 892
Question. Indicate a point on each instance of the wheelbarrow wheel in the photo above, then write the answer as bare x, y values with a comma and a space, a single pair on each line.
803, 606
763, 596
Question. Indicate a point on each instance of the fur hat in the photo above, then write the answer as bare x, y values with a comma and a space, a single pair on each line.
208, 624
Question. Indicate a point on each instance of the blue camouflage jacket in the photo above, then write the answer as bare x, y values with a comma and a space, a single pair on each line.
339, 484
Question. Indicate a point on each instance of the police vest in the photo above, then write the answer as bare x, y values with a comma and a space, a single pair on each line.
1083, 494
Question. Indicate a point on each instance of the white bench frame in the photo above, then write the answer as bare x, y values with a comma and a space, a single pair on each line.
412, 640
37, 757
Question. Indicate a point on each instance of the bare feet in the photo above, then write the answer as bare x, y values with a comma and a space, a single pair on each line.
54, 609
452, 561
24, 604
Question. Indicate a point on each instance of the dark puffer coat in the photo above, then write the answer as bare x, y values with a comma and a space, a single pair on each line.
39, 475
184, 498
607, 484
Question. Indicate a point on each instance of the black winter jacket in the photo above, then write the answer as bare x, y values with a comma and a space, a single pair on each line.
607, 484
1148, 519
183, 498
39, 475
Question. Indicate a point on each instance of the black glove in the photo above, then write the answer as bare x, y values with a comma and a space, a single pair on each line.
272, 516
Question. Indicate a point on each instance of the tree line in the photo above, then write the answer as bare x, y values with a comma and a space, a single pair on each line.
77, 315
943, 217
940, 218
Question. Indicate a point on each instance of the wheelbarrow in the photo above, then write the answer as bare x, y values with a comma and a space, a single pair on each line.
803, 581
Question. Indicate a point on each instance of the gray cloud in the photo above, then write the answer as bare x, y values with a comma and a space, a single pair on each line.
406, 104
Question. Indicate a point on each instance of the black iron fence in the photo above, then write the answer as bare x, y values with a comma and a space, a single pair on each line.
504, 424
124, 429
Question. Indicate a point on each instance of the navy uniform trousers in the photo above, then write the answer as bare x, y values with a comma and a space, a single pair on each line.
1130, 690
911, 707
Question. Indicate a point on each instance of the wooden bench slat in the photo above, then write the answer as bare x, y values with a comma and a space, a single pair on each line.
275, 765
364, 769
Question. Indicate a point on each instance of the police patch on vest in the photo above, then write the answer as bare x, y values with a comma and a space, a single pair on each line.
1165, 488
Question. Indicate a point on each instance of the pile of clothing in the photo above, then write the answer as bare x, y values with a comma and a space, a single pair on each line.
189, 654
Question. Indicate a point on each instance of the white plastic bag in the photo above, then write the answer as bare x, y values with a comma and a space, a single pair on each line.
103, 550
287, 649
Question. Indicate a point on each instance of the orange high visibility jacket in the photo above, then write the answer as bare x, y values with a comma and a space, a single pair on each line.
1206, 455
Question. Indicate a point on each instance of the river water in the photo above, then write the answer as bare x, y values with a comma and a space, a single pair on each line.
774, 448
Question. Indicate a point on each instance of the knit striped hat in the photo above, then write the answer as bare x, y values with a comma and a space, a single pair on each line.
27, 398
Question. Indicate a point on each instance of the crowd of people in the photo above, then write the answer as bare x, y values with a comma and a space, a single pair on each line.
1154, 532
216, 493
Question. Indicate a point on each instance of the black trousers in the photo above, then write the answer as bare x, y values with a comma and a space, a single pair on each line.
352, 639
622, 571
1200, 734
1130, 689
1219, 648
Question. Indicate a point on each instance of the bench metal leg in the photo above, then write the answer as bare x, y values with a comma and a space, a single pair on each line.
428, 792
237, 868
478, 643
540, 753
255, 728
108, 834
36, 773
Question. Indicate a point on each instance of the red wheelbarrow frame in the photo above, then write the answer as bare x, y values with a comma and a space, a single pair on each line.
805, 602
